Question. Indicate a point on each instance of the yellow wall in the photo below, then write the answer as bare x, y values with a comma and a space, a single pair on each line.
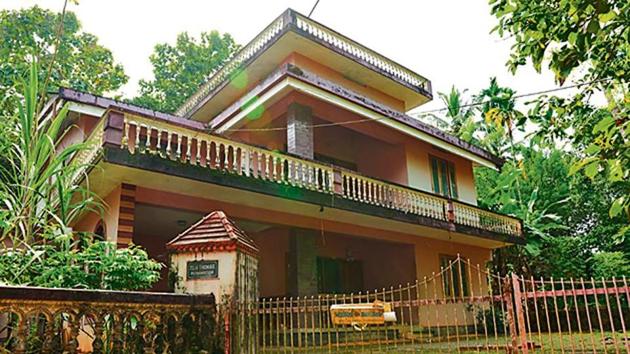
111, 210
420, 175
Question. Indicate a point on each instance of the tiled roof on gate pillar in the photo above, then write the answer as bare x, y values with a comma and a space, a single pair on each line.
213, 233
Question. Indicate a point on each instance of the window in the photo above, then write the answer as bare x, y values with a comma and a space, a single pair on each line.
454, 277
443, 177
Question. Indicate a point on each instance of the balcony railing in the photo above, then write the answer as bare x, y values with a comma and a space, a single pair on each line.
189, 144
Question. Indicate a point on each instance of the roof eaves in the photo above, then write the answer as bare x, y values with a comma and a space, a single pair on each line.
291, 70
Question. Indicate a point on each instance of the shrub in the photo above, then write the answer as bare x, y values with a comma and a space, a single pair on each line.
610, 264
63, 264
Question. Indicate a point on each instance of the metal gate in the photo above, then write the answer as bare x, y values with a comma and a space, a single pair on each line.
463, 308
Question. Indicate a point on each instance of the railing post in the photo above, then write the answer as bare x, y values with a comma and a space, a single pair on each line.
22, 335
520, 317
113, 129
337, 181
450, 211
508, 299
450, 214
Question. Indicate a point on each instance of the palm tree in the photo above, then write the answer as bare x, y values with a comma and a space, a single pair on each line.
459, 117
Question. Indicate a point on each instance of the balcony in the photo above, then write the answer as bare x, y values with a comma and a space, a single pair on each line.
187, 143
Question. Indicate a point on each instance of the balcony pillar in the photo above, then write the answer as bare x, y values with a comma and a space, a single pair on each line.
300, 131
337, 182
114, 129
302, 263
126, 215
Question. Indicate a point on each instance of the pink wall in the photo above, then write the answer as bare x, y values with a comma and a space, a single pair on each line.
79, 130
274, 246
377, 151
111, 210
384, 263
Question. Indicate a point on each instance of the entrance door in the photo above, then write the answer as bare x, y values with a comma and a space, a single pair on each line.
335, 276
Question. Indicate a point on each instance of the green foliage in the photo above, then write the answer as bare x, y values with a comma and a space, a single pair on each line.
589, 40
63, 263
460, 115
180, 69
610, 264
569, 33
41, 199
38, 194
30, 35
565, 215
563, 257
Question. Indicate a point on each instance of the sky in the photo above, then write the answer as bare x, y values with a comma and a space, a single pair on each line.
447, 41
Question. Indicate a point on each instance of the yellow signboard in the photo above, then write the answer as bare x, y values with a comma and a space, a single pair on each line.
361, 314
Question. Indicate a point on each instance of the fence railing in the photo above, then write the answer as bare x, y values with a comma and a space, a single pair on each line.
463, 308
88, 154
486, 220
40, 320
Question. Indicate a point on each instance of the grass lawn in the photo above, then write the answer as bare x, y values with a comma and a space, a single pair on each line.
556, 342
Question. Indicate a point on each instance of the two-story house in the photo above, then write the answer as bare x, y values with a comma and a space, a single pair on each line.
303, 140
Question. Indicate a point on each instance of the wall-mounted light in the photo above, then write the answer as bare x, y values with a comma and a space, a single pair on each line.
349, 255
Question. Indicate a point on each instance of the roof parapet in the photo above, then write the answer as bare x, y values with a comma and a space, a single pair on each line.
291, 20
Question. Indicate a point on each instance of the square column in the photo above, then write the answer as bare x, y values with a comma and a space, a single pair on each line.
126, 215
300, 131
302, 263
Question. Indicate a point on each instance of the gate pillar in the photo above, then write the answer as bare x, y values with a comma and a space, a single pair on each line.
215, 256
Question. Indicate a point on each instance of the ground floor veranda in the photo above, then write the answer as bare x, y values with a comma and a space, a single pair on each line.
299, 255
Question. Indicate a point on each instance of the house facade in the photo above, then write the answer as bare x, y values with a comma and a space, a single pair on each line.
301, 139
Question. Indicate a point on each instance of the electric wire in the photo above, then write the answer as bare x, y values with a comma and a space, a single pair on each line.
313, 9
364, 120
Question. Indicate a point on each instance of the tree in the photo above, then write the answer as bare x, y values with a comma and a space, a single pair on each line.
589, 40
31, 35
460, 115
561, 211
582, 34
180, 69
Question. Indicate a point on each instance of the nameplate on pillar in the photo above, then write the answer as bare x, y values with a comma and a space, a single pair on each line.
206, 269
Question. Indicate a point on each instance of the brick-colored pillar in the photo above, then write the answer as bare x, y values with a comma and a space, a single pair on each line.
126, 215
300, 131
302, 272
114, 129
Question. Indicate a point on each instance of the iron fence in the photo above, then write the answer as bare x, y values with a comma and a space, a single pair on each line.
462, 308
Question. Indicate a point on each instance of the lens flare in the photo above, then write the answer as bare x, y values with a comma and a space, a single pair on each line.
239, 79
257, 111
